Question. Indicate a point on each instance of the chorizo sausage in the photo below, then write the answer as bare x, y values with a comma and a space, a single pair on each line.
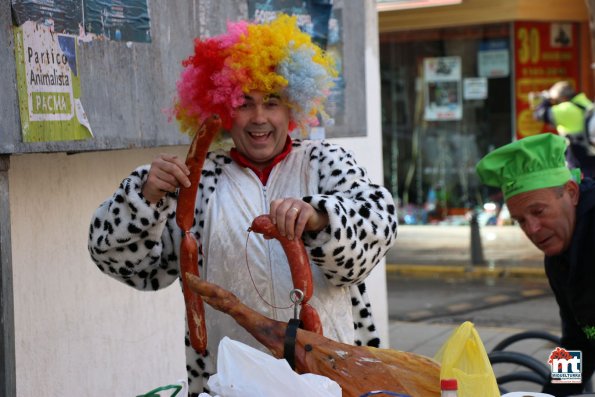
197, 153
299, 263
195, 309
310, 318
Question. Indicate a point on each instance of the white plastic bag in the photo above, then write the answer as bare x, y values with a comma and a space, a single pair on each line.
243, 371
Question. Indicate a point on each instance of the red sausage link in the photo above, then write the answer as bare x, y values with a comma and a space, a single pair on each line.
310, 319
195, 161
299, 263
197, 153
195, 310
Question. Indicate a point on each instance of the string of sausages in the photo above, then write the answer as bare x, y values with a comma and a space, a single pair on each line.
299, 265
197, 153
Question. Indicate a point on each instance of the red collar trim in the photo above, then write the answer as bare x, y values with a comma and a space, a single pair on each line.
264, 174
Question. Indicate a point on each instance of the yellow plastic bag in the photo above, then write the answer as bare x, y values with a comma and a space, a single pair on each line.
463, 357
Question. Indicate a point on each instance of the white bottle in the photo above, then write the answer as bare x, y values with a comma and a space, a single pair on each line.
448, 387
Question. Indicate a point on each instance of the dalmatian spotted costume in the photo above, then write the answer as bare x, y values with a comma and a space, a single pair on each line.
137, 242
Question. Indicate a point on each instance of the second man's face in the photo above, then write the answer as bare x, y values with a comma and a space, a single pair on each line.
260, 127
547, 216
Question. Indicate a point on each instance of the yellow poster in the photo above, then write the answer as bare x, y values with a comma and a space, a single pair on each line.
48, 85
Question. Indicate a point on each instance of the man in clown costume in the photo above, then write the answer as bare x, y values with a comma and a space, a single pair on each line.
264, 81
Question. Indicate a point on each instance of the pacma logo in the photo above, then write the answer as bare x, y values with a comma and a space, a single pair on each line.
566, 365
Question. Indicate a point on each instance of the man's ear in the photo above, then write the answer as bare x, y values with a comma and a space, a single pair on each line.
571, 187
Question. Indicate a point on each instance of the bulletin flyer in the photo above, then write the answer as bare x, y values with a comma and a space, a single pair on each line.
48, 85
47, 34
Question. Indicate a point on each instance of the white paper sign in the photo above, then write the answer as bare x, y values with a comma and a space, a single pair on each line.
475, 88
443, 88
493, 59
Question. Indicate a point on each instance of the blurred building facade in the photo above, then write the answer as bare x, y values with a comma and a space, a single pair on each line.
455, 84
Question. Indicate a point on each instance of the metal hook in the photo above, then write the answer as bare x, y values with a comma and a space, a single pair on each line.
296, 296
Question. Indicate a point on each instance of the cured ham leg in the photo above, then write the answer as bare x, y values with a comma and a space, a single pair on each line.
357, 369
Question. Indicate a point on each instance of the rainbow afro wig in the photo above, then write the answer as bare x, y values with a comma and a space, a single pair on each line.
274, 57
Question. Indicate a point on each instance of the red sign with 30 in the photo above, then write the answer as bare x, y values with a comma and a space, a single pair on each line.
544, 53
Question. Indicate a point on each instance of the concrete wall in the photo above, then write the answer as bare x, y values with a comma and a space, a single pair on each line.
78, 332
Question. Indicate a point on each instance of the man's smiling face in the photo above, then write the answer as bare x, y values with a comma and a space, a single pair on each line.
260, 127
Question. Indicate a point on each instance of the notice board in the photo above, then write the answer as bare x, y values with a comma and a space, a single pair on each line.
89, 75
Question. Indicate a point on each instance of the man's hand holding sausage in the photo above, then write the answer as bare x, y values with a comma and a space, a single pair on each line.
293, 216
167, 173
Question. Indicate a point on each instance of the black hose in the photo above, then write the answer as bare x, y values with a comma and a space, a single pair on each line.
500, 357
526, 335
521, 376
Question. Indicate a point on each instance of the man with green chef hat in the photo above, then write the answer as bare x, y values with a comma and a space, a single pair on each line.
555, 208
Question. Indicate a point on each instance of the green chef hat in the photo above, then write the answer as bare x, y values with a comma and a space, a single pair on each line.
531, 163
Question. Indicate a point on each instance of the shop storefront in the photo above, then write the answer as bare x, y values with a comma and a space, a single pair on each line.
455, 84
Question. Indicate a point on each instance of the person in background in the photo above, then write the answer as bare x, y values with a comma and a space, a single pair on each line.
556, 211
264, 81
565, 109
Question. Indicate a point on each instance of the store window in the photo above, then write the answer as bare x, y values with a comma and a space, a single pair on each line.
446, 101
